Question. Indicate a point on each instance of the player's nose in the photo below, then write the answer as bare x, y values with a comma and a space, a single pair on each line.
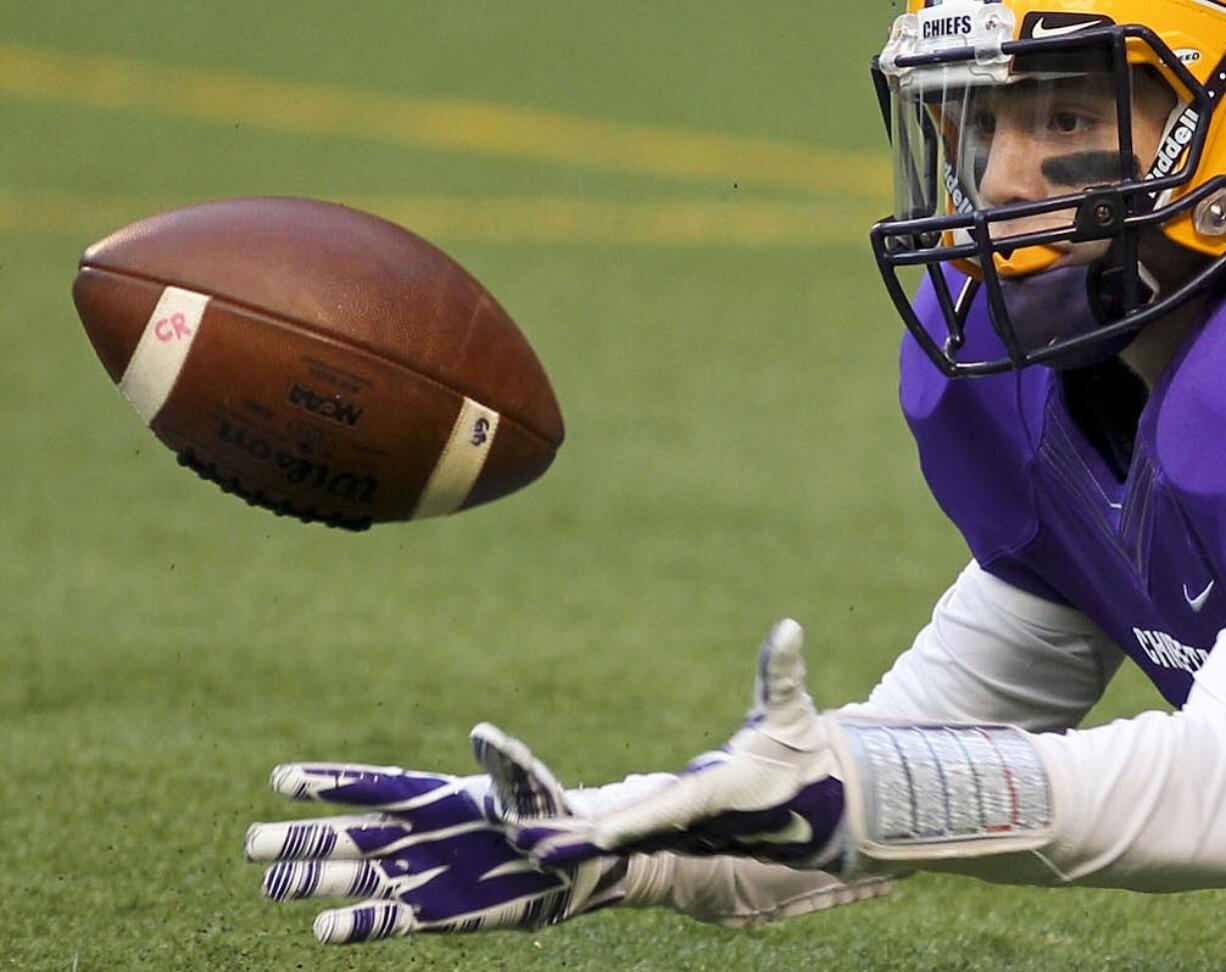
1013, 172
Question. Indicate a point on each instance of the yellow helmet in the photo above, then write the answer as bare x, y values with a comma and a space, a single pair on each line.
1034, 136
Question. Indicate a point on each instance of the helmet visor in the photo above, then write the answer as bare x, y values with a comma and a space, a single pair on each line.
964, 146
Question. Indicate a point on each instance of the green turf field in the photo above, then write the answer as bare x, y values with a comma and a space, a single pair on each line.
671, 199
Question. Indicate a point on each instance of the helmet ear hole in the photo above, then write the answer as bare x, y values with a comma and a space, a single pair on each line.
1209, 217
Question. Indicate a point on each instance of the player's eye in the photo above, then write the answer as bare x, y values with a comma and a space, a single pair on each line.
1069, 122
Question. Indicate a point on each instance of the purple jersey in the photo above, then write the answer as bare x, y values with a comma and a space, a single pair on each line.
1040, 508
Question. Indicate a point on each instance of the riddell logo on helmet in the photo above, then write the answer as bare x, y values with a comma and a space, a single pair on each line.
957, 196
1175, 145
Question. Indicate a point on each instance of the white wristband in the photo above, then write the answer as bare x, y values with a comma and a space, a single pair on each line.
916, 791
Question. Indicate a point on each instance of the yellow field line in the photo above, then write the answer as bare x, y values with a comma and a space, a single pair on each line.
504, 220
667, 222
434, 123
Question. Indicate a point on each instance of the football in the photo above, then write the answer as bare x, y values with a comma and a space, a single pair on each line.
317, 360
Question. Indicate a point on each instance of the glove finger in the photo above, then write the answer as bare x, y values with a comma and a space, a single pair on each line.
664, 819
657, 818
293, 880
523, 786
436, 887
550, 848
383, 787
329, 838
558, 843
781, 666
365, 922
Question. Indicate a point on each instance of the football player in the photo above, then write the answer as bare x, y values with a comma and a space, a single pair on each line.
1061, 184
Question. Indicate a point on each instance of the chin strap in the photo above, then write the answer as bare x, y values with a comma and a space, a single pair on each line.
1108, 286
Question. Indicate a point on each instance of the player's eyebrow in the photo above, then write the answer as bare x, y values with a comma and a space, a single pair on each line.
1080, 169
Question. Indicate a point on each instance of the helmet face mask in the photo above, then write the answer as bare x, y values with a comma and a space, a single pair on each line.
1016, 156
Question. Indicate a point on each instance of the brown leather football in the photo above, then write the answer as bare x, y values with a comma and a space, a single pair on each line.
317, 360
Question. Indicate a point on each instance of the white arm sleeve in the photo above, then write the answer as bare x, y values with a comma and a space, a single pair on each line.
995, 653
1136, 804
1139, 803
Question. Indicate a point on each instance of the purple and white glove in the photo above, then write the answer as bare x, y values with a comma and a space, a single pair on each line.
770, 793
430, 853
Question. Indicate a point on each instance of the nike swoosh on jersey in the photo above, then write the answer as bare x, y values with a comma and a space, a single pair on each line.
1041, 29
1198, 601
798, 831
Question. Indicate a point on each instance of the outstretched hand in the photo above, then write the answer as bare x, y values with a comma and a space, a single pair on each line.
429, 852
769, 793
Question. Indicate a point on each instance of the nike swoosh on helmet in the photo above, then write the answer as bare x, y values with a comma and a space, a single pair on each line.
1041, 30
